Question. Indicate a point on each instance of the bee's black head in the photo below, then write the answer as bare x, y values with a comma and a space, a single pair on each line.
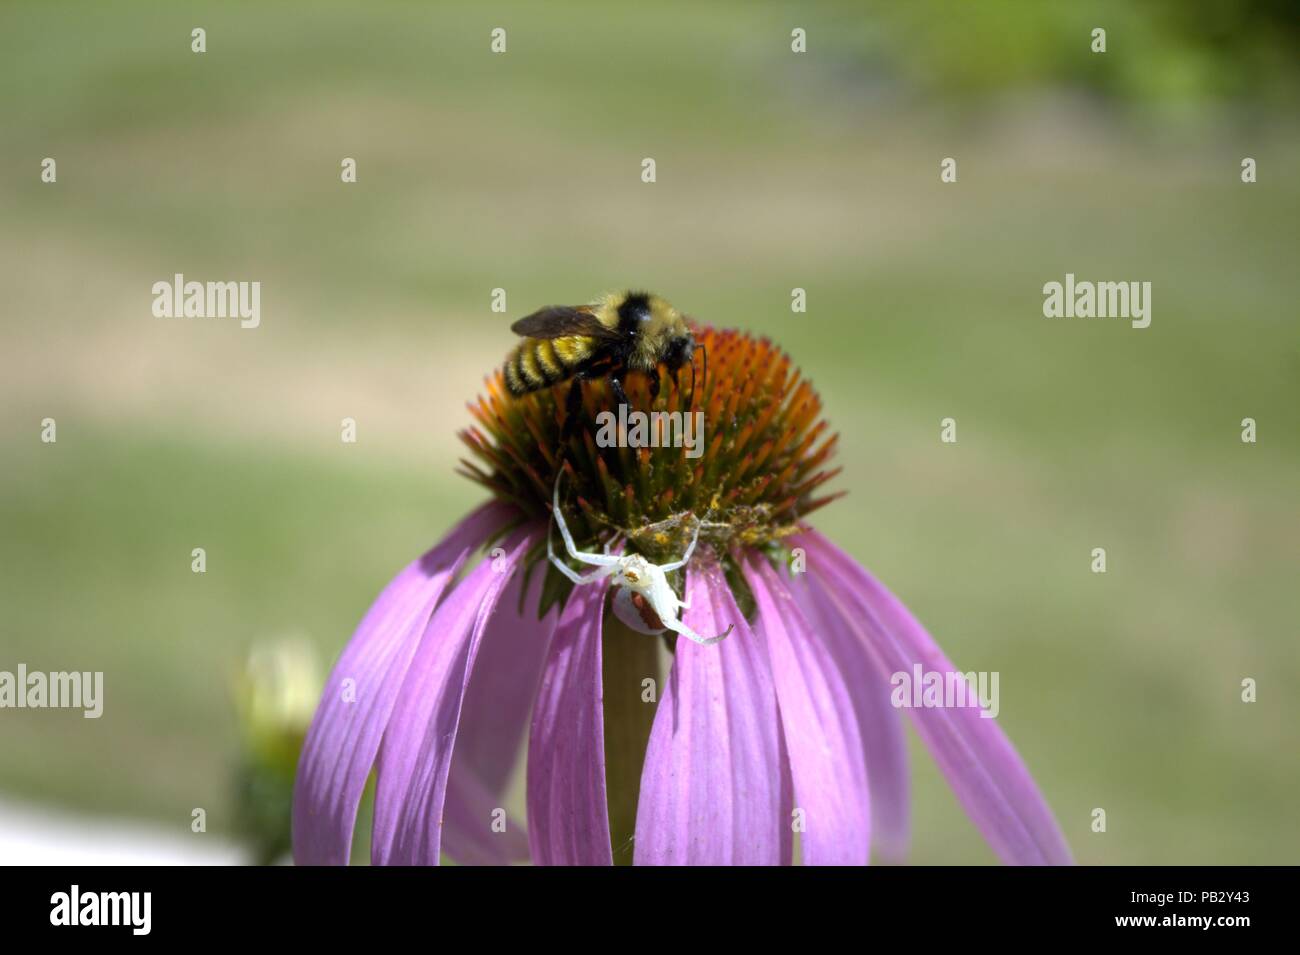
679, 351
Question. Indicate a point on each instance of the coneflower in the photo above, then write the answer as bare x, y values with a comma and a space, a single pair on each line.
784, 727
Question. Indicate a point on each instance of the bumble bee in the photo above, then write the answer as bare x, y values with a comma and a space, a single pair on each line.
634, 331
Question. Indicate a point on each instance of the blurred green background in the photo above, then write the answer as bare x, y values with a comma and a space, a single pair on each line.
775, 170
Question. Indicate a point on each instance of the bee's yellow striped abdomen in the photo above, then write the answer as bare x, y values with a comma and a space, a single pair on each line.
530, 368
552, 368
513, 380
538, 362
572, 350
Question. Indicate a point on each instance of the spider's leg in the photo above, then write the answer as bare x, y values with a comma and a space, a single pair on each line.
679, 627
690, 549
573, 575
596, 560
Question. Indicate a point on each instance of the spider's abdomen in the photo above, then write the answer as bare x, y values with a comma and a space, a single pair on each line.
635, 611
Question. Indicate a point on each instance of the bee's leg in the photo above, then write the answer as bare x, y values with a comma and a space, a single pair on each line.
654, 383
572, 410
616, 386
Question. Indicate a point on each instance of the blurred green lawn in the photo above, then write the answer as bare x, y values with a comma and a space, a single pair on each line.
522, 171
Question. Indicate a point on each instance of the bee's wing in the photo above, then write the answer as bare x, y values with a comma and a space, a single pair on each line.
557, 321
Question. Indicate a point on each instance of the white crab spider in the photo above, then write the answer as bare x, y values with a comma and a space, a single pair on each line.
643, 598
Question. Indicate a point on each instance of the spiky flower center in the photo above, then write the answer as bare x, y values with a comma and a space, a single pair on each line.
746, 462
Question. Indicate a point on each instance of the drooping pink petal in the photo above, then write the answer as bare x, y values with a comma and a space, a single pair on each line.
469, 814
568, 814
827, 760
880, 725
715, 788
494, 715
359, 696
415, 754
986, 774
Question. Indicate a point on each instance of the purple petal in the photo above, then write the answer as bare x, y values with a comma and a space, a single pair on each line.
880, 725
568, 815
415, 754
820, 724
494, 715
715, 789
345, 733
979, 762
467, 833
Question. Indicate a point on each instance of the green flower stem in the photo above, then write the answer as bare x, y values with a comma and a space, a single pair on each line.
629, 658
